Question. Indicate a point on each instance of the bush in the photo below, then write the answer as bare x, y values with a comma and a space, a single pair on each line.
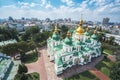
115, 71
22, 69
31, 57
31, 76
22, 76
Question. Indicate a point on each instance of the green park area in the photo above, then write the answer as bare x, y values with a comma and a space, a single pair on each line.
83, 76
23, 75
30, 57
104, 66
33, 76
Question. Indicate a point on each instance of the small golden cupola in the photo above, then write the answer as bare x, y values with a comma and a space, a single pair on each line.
80, 30
56, 29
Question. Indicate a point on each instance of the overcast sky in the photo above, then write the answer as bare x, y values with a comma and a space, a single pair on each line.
93, 10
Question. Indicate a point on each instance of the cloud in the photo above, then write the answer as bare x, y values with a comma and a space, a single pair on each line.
26, 5
68, 2
48, 5
109, 9
43, 2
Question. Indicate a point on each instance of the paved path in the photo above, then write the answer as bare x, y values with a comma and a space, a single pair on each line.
39, 67
99, 74
50, 69
111, 58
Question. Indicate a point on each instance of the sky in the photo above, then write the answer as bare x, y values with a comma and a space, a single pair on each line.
92, 10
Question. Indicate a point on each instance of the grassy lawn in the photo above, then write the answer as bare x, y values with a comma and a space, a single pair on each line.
33, 76
83, 76
108, 51
31, 57
105, 70
104, 66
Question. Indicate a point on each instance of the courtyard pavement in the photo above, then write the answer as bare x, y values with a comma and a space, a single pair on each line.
38, 67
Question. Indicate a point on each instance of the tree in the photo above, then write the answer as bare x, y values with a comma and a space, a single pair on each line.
10, 49
36, 37
22, 76
111, 40
9, 33
1, 37
13, 33
101, 36
64, 28
20, 47
22, 69
115, 71
32, 30
25, 37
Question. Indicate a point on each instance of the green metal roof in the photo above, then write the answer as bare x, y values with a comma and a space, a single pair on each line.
86, 33
94, 36
78, 42
55, 36
57, 48
88, 40
68, 41
65, 65
59, 61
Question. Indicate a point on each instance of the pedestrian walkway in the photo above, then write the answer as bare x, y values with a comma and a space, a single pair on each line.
112, 58
99, 74
38, 67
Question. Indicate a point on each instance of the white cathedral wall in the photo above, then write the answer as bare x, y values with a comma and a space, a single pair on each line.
89, 59
68, 57
58, 69
82, 61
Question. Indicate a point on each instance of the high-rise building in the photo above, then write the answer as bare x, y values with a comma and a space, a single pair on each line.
105, 21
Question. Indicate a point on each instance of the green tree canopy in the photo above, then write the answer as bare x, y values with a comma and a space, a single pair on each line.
8, 33
115, 71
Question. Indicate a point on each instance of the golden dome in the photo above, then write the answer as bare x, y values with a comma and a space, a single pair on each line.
79, 30
81, 22
95, 31
68, 34
56, 29
87, 29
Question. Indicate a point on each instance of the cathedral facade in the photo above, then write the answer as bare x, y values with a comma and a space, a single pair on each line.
78, 48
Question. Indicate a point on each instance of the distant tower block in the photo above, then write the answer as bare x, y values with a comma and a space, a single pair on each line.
105, 21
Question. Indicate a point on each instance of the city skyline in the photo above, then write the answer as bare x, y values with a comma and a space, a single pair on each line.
94, 10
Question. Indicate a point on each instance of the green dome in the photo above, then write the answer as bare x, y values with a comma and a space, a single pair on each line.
86, 33
78, 42
55, 36
88, 41
68, 41
94, 36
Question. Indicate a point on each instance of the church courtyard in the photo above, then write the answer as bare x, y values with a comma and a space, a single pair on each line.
46, 68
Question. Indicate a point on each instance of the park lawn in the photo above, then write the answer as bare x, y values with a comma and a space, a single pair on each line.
104, 66
108, 51
31, 57
105, 70
30, 76
33, 76
83, 76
